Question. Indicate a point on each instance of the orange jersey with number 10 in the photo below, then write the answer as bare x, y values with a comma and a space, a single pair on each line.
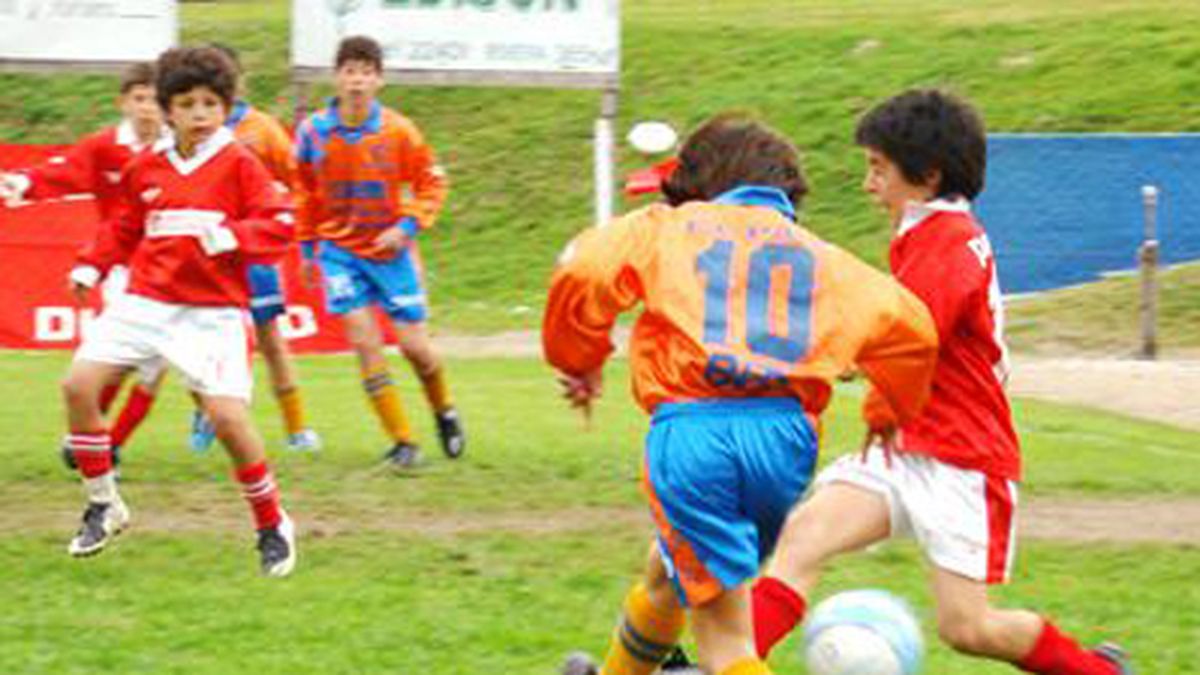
739, 301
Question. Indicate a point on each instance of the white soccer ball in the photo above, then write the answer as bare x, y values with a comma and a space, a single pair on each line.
864, 632
652, 138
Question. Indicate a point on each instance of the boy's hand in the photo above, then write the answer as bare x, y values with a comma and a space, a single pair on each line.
83, 279
12, 188
581, 390
391, 241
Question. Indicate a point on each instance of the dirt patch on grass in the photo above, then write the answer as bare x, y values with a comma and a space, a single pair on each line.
1164, 391
175, 509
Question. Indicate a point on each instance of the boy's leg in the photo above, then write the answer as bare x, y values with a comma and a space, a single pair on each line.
838, 518
273, 347
968, 623
90, 445
137, 407
276, 535
650, 625
418, 350
725, 635
364, 336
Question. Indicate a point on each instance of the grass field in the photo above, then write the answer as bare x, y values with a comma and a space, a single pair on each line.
520, 159
498, 564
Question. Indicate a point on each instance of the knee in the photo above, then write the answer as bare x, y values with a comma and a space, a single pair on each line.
74, 390
963, 634
801, 542
421, 356
226, 419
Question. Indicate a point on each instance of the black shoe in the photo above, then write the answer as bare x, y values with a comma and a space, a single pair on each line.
277, 548
450, 431
1116, 656
101, 522
678, 661
579, 663
403, 456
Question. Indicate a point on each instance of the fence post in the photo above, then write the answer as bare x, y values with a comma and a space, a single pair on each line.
1148, 263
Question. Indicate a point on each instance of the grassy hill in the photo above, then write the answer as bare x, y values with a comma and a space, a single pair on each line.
520, 159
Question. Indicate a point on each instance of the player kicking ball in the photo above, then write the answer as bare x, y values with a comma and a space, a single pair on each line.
198, 210
949, 476
747, 319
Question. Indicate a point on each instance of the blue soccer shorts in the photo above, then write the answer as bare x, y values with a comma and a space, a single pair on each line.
352, 282
721, 477
266, 294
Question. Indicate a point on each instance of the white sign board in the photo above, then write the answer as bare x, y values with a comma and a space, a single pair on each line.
85, 31
521, 39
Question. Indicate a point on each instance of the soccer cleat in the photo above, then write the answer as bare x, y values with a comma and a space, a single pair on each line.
578, 663
101, 522
203, 434
450, 431
678, 662
403, 456
305, 440
277, 548
1115, 655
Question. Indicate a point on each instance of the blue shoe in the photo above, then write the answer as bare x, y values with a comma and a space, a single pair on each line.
305, 440
203, 433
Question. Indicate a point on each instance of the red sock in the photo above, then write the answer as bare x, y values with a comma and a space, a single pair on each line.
260, 491
132, 414
1055, 653
92, 453
107, 394
777, 609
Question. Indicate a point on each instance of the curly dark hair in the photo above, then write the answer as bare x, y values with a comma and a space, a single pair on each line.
731, 150
182, 69
359, 48
923, 131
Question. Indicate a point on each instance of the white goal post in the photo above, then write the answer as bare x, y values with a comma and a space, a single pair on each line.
566, 44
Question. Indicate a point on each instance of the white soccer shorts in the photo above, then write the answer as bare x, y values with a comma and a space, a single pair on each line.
210, 346
964, 520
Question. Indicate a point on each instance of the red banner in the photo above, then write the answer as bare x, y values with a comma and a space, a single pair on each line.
37, 250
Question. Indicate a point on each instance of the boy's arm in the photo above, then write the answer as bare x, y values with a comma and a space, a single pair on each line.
599, 275
899, 353
280, 155
73, 172
427, 181
115, 240
309, 208
267, 224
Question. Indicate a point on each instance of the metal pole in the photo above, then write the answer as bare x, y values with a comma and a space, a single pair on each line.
1148, 262
604, 173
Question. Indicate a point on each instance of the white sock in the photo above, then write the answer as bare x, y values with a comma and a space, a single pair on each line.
102, 489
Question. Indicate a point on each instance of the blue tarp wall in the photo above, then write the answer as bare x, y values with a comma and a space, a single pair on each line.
1064, 209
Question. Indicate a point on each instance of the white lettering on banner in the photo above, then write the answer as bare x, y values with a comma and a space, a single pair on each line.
297, 322
61, 324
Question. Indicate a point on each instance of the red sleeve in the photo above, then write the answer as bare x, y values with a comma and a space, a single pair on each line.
940, 268
118, 238
74, 172
266, 225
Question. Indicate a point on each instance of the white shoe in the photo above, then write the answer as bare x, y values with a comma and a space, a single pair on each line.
305, 440
277, 548
101, 522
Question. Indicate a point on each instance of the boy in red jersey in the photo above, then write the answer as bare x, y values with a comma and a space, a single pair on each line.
369, 185
93, 165
266, 138
748, 318
948, 476
198, 209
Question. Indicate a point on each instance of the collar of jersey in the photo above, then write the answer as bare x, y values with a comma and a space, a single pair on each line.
239, 112
204, 152
916, 213
371, 125
759, 195
127, 137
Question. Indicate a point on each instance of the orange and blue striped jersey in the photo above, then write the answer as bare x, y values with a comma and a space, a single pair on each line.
267, 139
739, 301
357, 181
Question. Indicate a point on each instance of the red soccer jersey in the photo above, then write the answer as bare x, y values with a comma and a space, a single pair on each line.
740, 301
942, 254
93, 165
174, 204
